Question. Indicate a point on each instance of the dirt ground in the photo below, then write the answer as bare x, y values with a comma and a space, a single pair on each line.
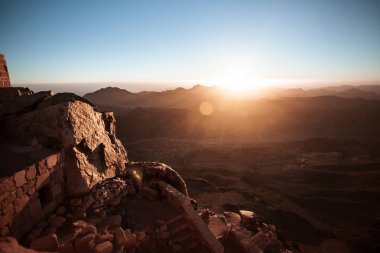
323, 194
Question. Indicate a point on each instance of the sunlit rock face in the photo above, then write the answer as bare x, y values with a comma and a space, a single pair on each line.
68, 122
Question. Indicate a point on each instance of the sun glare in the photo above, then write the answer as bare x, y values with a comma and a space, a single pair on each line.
238, 79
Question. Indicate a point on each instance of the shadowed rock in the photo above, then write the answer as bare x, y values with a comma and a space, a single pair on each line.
70, 123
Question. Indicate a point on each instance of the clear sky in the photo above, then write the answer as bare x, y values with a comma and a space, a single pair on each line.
186, 42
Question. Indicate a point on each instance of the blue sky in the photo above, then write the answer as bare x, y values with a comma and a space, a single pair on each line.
186, 42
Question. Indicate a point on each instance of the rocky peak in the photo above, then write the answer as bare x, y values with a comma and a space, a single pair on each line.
70, 123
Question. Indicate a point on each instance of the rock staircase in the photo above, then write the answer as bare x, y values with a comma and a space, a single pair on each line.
183, 238
188, 232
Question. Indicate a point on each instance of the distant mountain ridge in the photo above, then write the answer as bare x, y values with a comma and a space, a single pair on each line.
187, 98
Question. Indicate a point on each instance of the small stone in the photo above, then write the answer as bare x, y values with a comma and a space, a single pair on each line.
21, 202
176, 248
42, 180
104, 247
232, 218
165, 235
87, 201
131, 240
160, 222
163, 228
104, 237
4, 231
49, 230
85, 243
33, 235
119, 235
56, 189
115, 201
34, 207
58, 221
66, 247
61, 210
114, 221
19, 178
76, 202
42, 167
140, 235
86, 230
31, 172
42, 224
246, 216
45, 243
51, 161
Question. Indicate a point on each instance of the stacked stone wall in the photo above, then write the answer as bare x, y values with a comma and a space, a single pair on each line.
4, 74
30, 195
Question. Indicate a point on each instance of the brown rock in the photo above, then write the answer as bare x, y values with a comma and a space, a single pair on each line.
104, 247
46, 243
140, 235
76, 202
34, 207
93, 153
149, 193
104, 237
131, 240
163, 228
61, 210
10, 245
87, 201
7, 183
33, 235
4, 231
21, 202
31, 172
160, 222
56, 189
86, 230
6, 219
85, 243
246, 216
19, 178
57, 221
115, 201
113, 221
67, 247
119, 235
51, 161
42, 168
232, 218
42, 180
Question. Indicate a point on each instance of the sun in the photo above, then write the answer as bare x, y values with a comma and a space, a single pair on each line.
239, 79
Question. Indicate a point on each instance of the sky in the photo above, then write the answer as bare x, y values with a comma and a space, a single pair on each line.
154, 44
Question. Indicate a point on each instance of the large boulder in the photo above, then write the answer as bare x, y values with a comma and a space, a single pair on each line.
158, 171
70, 123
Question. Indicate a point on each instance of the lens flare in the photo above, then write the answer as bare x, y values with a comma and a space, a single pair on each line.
206, 108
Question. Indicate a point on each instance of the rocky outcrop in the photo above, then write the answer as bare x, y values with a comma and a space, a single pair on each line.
70, 123
148, 171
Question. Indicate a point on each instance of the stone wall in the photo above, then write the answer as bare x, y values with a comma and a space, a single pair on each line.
30, 195
4, 75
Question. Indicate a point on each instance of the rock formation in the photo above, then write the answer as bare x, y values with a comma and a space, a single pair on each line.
69, 123
4, 75
67, 186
